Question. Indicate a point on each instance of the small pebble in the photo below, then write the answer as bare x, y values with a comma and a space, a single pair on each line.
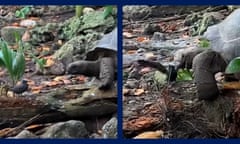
28, 23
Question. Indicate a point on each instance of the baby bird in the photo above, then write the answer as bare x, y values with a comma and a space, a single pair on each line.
20, 88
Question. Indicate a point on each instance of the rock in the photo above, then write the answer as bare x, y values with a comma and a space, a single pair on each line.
158, 36
95, 21
159, 78
77, 47
95, 136
69, 129
88, 10
8, 33
109, 129
28, 23
172, 44
136, 12
58, 68
168, 10
88, 23
132, 102
36, 11
132, 83
43, 33
205, 21
25, 134
145, 11
149, 29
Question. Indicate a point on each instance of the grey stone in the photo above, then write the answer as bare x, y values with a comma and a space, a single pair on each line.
25, 134
78, 45
110, 128
8, 33
69, 129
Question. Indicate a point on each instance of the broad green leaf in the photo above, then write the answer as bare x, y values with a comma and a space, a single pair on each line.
17, 13
233, 66
8, 56
25, 10
2, 64
184, 75
40, 62
18, 66
17, 36
107, 11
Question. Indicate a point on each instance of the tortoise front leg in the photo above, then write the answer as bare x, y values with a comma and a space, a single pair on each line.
205, 66
106, 75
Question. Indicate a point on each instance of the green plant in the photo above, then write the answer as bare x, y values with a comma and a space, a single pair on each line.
184, 75
39, 62
22, 12
233, 66
107, 11
204, 43
79, 10
13, 61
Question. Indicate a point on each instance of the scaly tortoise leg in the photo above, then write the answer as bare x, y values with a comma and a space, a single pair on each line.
107, 72
205, 66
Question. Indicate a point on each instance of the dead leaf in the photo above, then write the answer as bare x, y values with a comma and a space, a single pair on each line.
60, 42
34, 18
131, 51
138, 92
59, 78
172, 28
62, 79
185, 35
150, 135
30, 82
125, 91
80, 78
2, 73
142, 39
150, 55
49, 62
45, 48
99, 131
15, 24
141, 123
128, 35
51, 83
36, 89
28, 58
123, 98
34, 126
66, 81
26, 36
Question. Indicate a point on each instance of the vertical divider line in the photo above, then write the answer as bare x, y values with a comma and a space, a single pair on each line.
119, 70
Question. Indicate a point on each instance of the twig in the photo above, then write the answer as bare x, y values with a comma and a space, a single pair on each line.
19, 128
